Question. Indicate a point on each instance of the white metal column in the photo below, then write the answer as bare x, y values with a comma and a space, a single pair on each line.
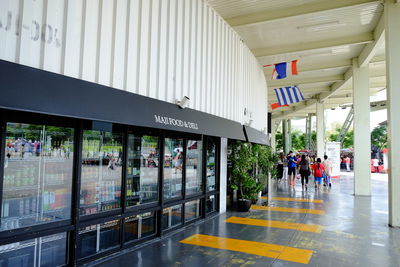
273, 135
320, 130
361, 125
285, 136
392, 32
289, 134
223, 175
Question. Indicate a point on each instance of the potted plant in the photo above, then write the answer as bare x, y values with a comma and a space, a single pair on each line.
242, 158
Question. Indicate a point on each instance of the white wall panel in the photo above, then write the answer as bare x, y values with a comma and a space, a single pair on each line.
73, 39
164, 49
120, 44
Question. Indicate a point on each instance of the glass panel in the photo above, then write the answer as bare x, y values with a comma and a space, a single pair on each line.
211, 204
37, 175
101, 172
210, 156
173, 165
132, 228
98, 237
46, 251
193, 167
142, 170
172, 216
192, 210
148, 225
140, 226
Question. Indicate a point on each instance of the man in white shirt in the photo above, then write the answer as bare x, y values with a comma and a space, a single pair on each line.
328, 171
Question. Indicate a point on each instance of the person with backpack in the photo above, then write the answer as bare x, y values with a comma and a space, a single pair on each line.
318, 170
304, 170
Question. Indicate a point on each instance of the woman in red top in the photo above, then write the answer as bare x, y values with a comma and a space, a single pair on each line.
318, 169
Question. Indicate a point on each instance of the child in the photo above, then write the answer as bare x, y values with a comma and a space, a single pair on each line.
317, 170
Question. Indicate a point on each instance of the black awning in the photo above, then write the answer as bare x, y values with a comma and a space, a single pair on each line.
255, 136
29, 89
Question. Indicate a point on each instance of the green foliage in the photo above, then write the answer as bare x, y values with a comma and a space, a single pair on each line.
298, 140
348, 140
379, 137
250, 167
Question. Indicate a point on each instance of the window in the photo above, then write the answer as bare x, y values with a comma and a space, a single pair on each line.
37, 175
142, 170
192, 210
46, 251
140, 226
98, 237
193, 167
173, 167
172, 217
101, 172
210, 162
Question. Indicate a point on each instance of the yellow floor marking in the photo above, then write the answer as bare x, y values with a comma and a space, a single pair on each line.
295, 199
284, 209
255, 248
313, 228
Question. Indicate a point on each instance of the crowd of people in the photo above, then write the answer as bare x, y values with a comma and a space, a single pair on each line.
302, 167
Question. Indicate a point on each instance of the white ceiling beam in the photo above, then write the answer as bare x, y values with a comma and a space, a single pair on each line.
299, 47
316, 67
270, 15
299, 80
369, 51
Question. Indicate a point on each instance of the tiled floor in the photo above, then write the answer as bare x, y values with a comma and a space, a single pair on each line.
343, 230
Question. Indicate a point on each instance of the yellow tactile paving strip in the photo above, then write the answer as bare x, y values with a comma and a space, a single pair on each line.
256, 248
295, 199
284, 209
313, 228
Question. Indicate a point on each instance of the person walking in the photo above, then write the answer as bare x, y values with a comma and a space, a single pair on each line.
304, 170
317, 170
347, 160
292, 168
328, 171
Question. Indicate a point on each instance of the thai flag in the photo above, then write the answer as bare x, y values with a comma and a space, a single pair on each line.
282, 70
288, 95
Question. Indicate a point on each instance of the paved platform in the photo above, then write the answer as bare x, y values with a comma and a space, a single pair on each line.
326, 228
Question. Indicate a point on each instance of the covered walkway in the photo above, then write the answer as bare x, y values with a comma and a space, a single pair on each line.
326, 228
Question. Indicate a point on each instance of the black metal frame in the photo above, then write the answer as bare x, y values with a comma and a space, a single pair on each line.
76, 222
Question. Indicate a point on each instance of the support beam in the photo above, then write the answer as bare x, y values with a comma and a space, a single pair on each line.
299, 80
308, 131
270, 15
285, 137
289, 134
301, 68
362, 137
369, 51
310, 46
392, 42
320, 130
223, 174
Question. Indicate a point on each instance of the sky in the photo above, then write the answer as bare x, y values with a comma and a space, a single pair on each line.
339, 115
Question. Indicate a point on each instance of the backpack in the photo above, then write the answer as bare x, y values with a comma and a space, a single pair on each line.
304, 165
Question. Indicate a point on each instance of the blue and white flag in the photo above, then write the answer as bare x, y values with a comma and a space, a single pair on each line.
288, 95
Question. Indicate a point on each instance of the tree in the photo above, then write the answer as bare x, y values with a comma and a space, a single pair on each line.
348, 139
379, 136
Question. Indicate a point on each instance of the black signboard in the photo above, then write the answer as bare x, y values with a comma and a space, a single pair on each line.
255, 136
29, 89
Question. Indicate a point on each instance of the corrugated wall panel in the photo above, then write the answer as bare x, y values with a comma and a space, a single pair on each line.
164, 49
